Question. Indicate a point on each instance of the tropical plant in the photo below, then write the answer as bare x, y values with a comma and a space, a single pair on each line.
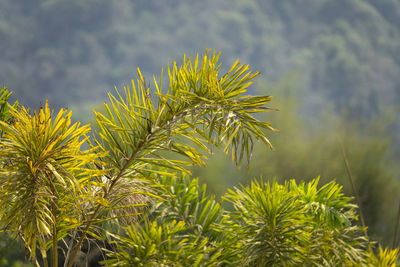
305, 150
46, 176
5, 115
10, 252
385, 257
290, 224
266, 224
56, 194
65, 189
179, 229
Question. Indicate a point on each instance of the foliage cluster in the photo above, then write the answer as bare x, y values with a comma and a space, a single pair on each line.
306, 150
268, 224
54, 190
345, 53
62, 189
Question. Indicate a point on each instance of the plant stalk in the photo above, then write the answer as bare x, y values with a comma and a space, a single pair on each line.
353, 188
54, 253
55, 243
44, 257
120, 173
396, 229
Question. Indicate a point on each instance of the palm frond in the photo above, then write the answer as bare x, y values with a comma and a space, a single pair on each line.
199, 108
286, 225
177, 230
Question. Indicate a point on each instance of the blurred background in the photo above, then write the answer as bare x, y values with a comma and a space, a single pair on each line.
332, 66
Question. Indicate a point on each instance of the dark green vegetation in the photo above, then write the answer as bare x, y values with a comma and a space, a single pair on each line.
345, 51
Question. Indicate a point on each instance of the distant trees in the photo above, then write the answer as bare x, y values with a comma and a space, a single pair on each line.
346, 51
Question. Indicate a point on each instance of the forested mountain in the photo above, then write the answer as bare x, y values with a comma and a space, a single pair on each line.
345, 51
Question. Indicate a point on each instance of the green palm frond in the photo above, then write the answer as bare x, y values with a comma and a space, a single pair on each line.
199, 108
159, 245
269, 224
288, 225
184, 199
177, 231
386, 257
5, 115
143, 131
333, 235
327, 204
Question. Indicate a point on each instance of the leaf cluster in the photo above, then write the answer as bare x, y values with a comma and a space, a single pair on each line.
61, 190
268, 225
4, 109
59, 186
44, 176
176, 231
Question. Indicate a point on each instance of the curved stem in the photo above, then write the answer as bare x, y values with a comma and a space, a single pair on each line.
353, 188
119, 175
173, 117
113, 183
54, 255
44, 257
396, 229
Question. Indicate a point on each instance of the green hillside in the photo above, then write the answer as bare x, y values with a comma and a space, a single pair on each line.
345, 51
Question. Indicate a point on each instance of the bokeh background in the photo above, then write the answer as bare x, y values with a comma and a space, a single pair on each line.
332, 66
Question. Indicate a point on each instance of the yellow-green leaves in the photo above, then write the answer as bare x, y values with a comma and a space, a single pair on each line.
4, 109
52, 188
294, 225
200, 107
178, 232
386, 257
43, 174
